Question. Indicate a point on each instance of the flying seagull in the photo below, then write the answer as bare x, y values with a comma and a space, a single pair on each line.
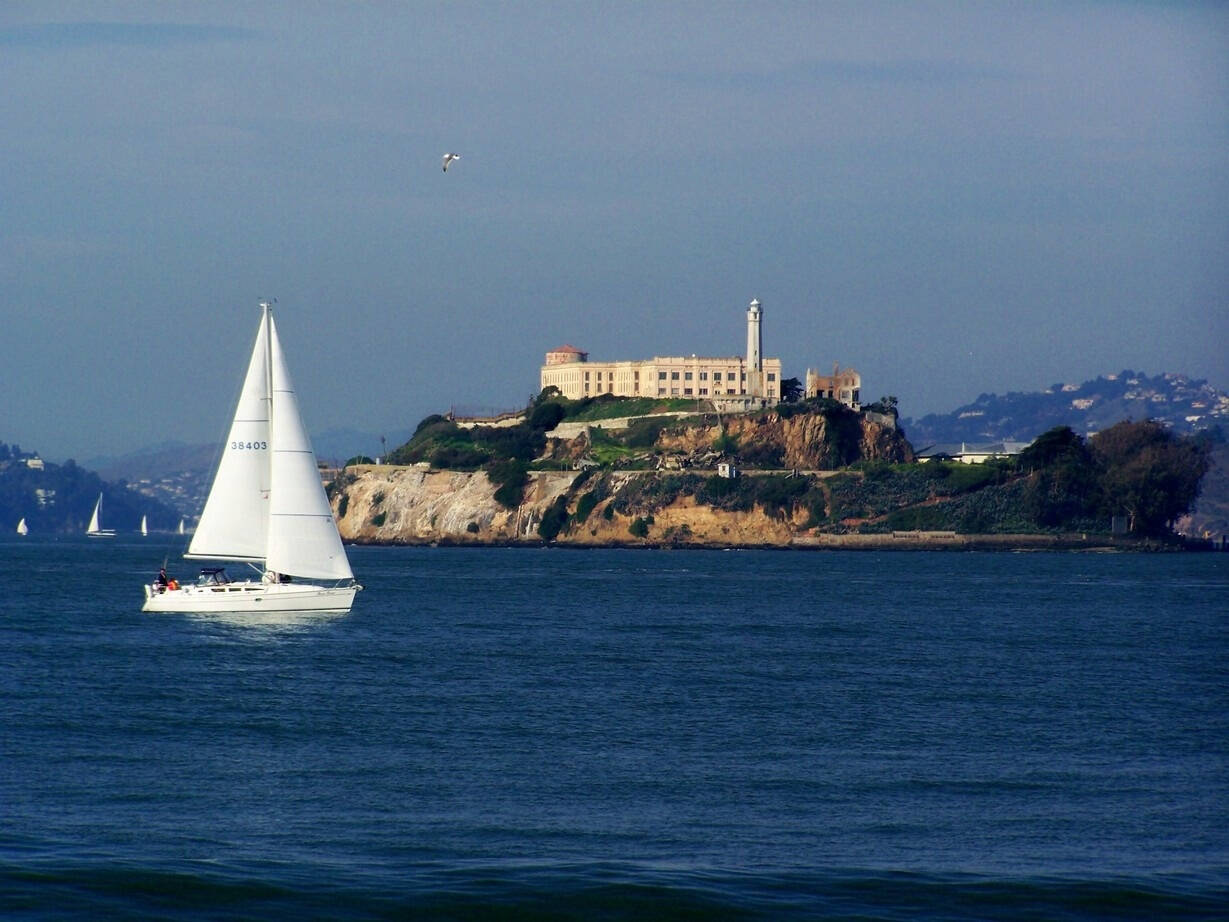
448, 158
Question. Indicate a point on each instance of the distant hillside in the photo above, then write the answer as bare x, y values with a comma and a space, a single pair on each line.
179, 474
59, 498
1183, 404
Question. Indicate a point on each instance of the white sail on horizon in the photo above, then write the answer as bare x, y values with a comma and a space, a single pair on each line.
22, 528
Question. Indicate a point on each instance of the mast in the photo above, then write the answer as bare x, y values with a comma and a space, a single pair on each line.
266, 319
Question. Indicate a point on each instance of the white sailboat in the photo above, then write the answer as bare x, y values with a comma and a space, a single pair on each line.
96, 530
181, 531
266, 508
22, 527
144, 526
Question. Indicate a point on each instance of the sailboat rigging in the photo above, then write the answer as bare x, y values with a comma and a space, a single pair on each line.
266, 508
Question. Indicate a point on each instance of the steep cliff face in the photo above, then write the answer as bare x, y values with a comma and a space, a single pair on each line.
398, 505
807, 441
413, 505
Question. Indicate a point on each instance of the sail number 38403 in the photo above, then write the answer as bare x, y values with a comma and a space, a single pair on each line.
250, 446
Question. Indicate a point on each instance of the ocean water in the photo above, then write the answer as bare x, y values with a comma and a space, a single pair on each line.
605, 735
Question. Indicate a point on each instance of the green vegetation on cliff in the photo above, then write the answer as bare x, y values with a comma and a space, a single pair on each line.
1139, 473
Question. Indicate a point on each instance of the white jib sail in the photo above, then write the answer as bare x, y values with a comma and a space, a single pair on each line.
235, 522
303, 539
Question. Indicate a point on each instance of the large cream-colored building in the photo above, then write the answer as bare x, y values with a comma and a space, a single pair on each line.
750, 378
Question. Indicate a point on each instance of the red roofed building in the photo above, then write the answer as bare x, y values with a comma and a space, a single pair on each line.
565, 354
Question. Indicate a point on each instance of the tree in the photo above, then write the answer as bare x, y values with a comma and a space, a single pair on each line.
1063, 478
791, 390
1051, 447
1149, 473
546, 415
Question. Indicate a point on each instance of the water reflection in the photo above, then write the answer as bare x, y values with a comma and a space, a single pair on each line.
267, 620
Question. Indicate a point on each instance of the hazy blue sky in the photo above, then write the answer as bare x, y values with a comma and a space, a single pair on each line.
952, 197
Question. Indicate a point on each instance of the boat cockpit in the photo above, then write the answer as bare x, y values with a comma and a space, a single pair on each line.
212, 576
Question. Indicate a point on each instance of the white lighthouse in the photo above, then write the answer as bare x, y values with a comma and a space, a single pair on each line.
755, 351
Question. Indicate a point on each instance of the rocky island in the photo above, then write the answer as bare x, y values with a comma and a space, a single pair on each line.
815, 473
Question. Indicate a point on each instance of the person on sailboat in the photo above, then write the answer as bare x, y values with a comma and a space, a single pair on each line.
161, 582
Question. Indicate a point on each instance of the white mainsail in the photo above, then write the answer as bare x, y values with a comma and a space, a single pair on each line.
267, 502
302, 536
144, 526
181, 531
235, 523
22, 528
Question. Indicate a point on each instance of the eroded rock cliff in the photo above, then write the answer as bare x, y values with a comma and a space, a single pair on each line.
413, 505
806, 441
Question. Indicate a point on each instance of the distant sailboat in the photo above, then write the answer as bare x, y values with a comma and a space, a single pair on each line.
96, 530
22, 527
144, 526
181, 531
266, 506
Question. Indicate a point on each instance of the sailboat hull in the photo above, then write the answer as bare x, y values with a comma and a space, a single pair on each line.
251, 596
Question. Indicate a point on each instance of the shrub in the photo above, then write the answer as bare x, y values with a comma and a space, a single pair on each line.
777, 493
643, 433
554, 519
458, 457
509, 477
342, 505
428, 421
765, 455
520, 441
736, 494
640, 527
585, 505
378, 519
472, 528
842, 433
546, 416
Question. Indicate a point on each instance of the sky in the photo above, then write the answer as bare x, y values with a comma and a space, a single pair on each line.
954, 198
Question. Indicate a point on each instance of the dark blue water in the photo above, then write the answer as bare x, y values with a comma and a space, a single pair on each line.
520, 734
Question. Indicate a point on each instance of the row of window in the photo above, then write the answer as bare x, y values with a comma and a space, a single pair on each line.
729, 376
611, 376
703, 392
687, 376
